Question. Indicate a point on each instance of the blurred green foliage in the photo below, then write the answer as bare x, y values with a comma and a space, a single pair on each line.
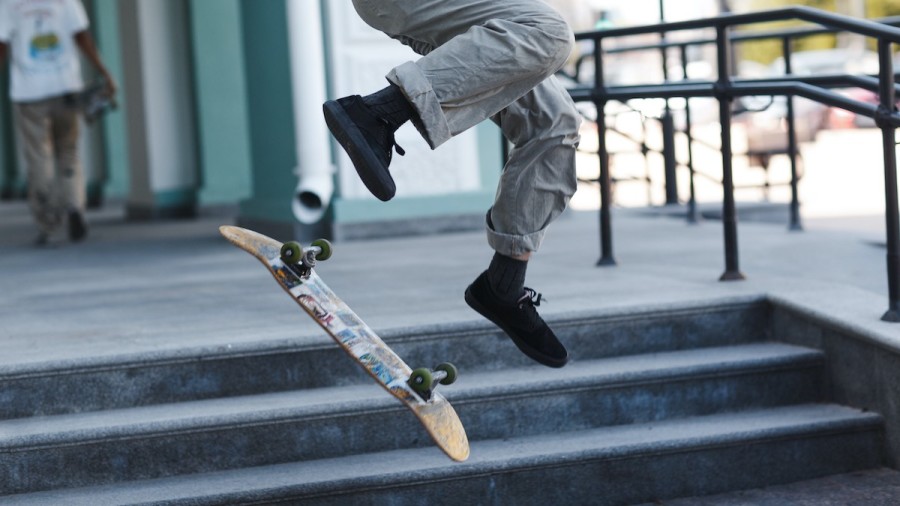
766, 51
882, 8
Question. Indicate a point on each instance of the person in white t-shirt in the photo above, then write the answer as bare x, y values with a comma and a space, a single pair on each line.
41, 38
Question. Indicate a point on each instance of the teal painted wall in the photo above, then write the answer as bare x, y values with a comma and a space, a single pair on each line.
490, 156
10, 185
105, 27
223, 130
270, 111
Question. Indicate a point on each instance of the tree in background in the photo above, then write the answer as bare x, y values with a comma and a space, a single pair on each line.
882, 8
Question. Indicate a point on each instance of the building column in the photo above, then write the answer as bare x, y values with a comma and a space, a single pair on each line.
271, 120
223, 132
159, 109
113, 175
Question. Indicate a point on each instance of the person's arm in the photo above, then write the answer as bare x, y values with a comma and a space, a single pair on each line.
86, 43
4, 50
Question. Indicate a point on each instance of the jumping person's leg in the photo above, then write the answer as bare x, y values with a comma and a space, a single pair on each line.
539, 177
535, 188
479, 57
482, 59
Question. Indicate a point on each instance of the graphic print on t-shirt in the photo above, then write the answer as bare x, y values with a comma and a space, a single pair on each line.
44, 45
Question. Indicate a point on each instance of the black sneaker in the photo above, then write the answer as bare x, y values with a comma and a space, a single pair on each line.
367, 139
77, 226
520, 321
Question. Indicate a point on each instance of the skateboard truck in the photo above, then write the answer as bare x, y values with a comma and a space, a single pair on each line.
423, 380
302, 260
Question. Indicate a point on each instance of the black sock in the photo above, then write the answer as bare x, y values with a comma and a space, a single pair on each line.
506, 277
391, 105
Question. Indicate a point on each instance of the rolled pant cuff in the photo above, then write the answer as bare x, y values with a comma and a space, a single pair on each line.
418, 91
514, 245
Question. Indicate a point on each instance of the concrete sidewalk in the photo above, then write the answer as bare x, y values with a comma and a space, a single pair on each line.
178, 287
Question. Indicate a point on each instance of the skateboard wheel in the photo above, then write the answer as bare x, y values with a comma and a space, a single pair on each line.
451, 371
420, 380
291, 252
325, 254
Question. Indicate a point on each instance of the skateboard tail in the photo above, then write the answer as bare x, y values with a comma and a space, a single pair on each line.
445, 428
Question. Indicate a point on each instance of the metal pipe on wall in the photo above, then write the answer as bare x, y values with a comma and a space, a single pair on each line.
315, 172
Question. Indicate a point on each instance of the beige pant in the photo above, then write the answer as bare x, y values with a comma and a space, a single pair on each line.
47, 133
493, 59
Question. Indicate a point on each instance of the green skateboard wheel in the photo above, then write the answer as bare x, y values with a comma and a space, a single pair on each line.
451, 371
291, 252
420, 380
325, 254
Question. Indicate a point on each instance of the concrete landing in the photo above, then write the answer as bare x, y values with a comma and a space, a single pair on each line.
158, 287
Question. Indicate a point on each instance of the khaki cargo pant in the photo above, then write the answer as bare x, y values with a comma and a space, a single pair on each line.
493, 59
47, 133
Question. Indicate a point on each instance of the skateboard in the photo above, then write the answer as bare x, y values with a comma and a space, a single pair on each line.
94, 101
292, 267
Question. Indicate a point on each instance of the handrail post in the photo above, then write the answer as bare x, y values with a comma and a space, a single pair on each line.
606, 249
688, 127
795, 224
888, 97
729, 215
670, 165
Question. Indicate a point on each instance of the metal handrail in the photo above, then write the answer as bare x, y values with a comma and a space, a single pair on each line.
820, 81
738, 88
726, 88
835, 21
793, 33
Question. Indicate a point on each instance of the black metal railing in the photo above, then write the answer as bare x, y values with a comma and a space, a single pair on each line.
790, 149
726, 88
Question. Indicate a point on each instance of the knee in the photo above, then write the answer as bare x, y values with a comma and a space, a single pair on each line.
562, 42
555, 39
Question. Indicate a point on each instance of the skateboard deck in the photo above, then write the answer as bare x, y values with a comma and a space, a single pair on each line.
357, 340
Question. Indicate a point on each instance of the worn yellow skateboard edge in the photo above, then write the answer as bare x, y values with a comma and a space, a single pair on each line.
436, 415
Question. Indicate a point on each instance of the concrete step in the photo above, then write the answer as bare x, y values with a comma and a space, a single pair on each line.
106, 383
313, 424
872, 487
603, 466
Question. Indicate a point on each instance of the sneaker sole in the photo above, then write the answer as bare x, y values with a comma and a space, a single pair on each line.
355, 144
521, 345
